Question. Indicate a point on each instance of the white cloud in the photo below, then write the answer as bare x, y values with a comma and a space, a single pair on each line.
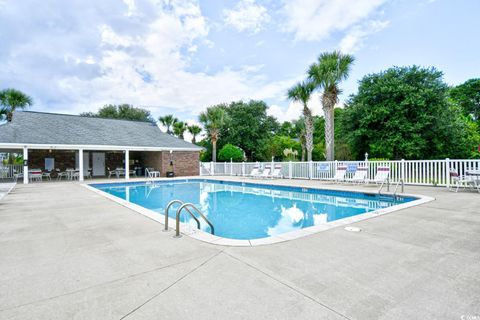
355, 37
314, 20
247, 16
105, 55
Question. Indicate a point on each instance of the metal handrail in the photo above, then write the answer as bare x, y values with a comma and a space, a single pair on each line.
396, 187
179, 211
181, 203
381, 186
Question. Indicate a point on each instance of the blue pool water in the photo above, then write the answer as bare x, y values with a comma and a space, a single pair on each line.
251, 211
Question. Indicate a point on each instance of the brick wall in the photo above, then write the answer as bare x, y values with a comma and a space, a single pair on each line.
64, 159
185, 163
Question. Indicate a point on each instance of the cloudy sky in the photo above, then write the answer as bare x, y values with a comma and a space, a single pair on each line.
181, 56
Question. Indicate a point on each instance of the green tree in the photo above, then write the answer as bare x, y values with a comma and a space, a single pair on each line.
301, 93
467, 96
299, 129
229, 151
326, 75
277, 145
11, 100
122, 112
168, 121
248, 126
179, 129
403, 112
212, 120
194, 131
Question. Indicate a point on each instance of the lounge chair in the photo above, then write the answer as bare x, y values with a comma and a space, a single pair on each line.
276, 172
254, 173
265, 173
360, 175
461, 180
339, 174
382, 176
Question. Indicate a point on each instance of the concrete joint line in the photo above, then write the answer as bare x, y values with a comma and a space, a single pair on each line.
171, 285
290, 286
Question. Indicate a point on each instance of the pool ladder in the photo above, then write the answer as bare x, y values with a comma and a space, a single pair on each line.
185, 206
399, 183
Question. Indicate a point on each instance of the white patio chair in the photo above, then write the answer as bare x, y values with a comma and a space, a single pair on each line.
360, 176
382, 176
276, 172
339, 174
265, 173
35, 175
461, 180
255, 172
61, 174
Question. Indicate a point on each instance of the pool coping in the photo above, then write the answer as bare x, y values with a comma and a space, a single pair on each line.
186, 229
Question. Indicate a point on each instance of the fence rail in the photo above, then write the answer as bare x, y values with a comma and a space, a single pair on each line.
7, 171
412, 172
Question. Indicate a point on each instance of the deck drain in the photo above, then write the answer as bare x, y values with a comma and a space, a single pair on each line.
353, 229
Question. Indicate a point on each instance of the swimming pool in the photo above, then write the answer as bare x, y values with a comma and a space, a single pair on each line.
247, 211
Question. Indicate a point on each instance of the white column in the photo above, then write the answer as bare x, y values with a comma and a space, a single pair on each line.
127, 164
80, 164
25, 165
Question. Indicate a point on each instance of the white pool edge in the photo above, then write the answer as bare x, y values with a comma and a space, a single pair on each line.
185, 229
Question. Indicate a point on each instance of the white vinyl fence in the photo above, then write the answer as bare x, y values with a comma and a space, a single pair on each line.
413, 172
7, 171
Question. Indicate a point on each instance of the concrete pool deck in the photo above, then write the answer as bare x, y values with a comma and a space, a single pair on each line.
69, 253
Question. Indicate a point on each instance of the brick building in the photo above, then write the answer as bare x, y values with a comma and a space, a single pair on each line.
95, 146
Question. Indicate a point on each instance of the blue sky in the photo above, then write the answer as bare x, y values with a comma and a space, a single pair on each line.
182, 56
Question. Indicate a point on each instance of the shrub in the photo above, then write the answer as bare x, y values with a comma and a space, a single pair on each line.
229, 151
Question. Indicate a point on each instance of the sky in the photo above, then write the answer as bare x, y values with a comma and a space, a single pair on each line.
182, 56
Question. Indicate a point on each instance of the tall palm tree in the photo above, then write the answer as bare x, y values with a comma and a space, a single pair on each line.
212, 121
168, 121
326, 75
11, 99
301, 93
299, 128
179, 129
194, 131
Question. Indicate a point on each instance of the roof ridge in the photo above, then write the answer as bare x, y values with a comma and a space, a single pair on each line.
80, 116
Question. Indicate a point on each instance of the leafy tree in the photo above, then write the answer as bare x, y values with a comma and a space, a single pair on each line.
11, 100
194, 131
213, 119
121, 112
326, 75
179, 129
277, 145
229, 151
287, 129
403, 112
299, 129
301, 93
248, 126
168, 121
467, 96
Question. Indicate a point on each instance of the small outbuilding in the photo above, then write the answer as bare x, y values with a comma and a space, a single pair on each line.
95, 147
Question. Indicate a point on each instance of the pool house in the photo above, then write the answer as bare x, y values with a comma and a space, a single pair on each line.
61, 146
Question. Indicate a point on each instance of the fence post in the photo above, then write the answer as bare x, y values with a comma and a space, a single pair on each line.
225, 168
447, 172
200, 168
243, 168
403, 170
273, 165
212, 168
231, 167
290, 169
310, 169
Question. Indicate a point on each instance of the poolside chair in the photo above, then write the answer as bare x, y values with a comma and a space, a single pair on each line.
35, 175
382, 176
61, 175
254, 173
461, 180
276, 172
360, 175
111, 173
339, 174
265, 173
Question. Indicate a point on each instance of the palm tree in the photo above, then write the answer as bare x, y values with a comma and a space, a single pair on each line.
299, 128
212, 121
194, 131
326, 75
301, 93
168, 121
11, 100
179, 129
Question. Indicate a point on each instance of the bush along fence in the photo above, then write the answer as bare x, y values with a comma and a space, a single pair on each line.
412, 172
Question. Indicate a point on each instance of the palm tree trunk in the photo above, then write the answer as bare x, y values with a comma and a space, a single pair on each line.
194, 140
329, 132
308, 131
303, 150
214, 150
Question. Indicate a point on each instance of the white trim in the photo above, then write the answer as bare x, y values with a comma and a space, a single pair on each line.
90, 147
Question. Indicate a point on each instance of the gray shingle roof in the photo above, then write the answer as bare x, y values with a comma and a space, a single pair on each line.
60, 129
